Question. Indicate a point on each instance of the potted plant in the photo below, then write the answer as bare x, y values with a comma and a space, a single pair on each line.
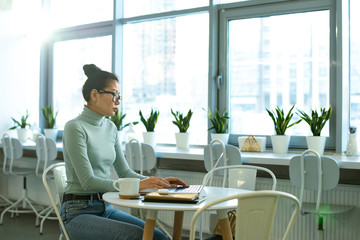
20, 127
183, 123
118, 119
50, 130
352, 148
281, 121
316, 121
219, 125
150, 123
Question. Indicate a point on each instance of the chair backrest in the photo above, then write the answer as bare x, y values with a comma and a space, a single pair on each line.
45, 151
240, 176
140, 156
255, 214
313, 172
13, 150
59, 173
231, 154
218, 154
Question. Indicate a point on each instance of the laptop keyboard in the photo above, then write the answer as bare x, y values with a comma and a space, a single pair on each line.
191, 189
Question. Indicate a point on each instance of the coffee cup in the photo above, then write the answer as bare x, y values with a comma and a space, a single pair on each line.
128, 187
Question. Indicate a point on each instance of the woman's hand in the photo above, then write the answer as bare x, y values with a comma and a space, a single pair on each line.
158, 183
174, 182
154, 182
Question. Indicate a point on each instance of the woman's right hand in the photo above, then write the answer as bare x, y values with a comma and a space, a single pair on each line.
154, 182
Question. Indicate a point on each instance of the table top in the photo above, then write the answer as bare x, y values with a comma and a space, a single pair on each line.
211, 193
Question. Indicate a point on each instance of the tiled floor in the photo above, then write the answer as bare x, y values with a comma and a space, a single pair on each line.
23, 228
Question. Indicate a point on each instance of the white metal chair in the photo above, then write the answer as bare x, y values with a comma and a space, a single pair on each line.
316, 174
4, 201
140, 156
46, 153
256, 211
13, 151
59, 174
235, 176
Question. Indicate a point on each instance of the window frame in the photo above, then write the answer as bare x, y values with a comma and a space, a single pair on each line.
337, 91
217, 84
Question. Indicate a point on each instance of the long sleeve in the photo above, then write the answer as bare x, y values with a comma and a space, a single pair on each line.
90, 147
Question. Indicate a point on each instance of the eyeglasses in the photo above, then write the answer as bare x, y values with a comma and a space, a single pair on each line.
116, 96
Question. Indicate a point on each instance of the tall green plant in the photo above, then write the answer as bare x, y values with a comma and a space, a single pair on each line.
282, 122
183, 123
317, 120
118, 119
50, 116
151, 121
22, 123
219, 121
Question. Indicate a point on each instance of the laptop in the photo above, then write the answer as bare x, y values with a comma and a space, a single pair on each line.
196, 189
179, 189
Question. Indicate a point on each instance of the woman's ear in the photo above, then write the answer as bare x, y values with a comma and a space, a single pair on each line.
93, 95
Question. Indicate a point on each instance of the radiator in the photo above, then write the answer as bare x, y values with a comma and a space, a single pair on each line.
336, 227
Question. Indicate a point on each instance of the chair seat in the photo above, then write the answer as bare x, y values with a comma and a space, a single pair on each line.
325, 209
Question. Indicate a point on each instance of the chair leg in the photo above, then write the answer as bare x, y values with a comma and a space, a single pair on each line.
7, 201
24, 200
320, 228
47, 211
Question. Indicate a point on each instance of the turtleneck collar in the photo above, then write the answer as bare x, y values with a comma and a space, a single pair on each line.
91, 117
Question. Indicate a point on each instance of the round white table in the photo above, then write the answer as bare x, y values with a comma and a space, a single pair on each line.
211, 193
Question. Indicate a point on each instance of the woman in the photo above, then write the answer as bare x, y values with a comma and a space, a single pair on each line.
91, 147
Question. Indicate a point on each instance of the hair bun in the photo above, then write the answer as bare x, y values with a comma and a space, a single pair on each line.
90, 69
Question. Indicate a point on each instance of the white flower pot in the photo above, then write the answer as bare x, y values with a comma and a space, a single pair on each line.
182, 140
224, 137
280, 143
150, 138
316, 143
51, 133
23, 134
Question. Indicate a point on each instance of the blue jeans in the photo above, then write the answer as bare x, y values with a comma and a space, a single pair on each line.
86, 219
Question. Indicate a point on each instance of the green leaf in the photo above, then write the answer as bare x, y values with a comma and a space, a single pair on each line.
282, 122
183, 123
151, 121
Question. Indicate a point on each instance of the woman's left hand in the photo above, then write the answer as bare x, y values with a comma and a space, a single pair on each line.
174, 182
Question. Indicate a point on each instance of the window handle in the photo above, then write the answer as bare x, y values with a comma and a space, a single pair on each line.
218, 81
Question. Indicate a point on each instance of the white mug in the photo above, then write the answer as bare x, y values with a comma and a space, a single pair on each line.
127, 187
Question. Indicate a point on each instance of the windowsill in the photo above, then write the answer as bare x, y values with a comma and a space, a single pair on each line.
267, 157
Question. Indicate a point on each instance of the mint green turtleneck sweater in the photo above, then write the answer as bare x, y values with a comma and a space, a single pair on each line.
90, 147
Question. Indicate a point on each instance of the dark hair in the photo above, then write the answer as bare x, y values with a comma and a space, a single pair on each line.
97, 79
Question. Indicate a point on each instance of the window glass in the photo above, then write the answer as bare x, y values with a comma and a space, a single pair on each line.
166, 66
69, 77
277, 61
19, 62
68, 13
143, 7
354, 64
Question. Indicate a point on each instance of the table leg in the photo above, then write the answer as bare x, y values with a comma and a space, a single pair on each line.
178, 221
224, 225
149, 225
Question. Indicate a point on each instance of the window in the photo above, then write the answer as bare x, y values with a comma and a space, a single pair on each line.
68, 13
143, 7
69, 58
277, 60
354, 64
166, 66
